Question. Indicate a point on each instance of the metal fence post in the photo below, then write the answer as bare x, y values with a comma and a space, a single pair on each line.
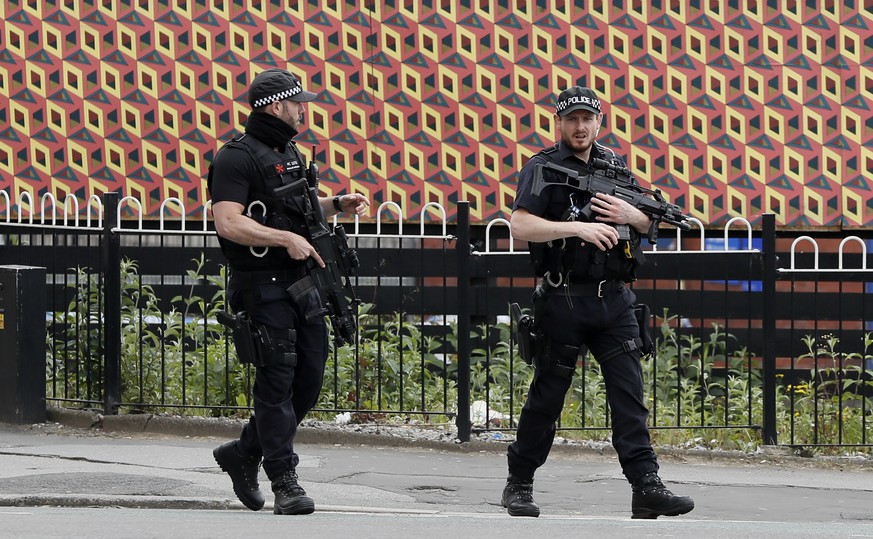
462, 249
22, 340
768, 284
111, 270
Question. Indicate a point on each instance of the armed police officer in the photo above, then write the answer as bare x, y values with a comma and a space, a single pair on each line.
263, 236
583, 302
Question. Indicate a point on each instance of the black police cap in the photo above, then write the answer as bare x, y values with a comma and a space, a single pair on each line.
575, 98
276, 85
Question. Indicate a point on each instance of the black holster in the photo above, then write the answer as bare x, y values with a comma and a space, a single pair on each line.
642, 345
644, 317
257, 344
524, 333
240, 327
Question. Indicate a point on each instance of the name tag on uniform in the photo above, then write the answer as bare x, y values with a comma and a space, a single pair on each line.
283, 167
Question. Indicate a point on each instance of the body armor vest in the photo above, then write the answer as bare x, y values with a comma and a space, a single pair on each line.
284, 213
566, 257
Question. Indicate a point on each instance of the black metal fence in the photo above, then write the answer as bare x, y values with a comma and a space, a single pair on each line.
757, 331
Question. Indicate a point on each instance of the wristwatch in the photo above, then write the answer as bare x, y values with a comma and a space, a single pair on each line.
336, 203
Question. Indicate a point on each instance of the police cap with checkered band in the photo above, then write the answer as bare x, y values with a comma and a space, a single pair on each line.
277, 85
575, 98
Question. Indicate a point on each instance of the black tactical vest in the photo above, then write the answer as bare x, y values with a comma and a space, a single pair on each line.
586, 262
286, 212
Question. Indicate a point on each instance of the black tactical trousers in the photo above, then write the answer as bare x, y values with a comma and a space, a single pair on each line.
283, 394
601, 324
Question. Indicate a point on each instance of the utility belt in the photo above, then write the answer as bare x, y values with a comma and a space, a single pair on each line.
248, 279
249, 282
302, 284
586, 288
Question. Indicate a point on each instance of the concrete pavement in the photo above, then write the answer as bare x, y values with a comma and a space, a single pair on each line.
79, 460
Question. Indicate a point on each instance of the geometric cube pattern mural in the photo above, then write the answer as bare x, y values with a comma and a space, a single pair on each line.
731, 108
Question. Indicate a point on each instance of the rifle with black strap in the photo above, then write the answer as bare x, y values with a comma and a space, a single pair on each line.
604, 177
333, 281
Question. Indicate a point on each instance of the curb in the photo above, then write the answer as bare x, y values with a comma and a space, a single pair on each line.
158, 502
225, 428
230, 429
130, 502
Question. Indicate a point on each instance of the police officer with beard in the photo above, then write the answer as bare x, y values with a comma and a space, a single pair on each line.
262, 236
583, 302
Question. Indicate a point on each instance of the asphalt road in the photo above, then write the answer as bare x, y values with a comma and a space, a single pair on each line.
69, 482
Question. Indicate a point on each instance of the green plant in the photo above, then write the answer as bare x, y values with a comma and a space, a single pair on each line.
704, 389
684, 389
74, 348
171, 358
394, 367
498, 375
833, 405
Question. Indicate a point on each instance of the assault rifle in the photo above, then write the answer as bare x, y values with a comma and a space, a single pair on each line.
604, 177
333, 281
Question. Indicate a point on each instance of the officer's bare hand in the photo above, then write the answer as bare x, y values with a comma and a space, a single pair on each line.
610, 209
600, 235
354, 202
300, 249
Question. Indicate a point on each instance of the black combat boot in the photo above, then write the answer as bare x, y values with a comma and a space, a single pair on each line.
243, 471
291, 499
518, 498
652, 499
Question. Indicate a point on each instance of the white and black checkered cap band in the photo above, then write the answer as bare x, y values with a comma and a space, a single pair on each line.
284, 94
578, 101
